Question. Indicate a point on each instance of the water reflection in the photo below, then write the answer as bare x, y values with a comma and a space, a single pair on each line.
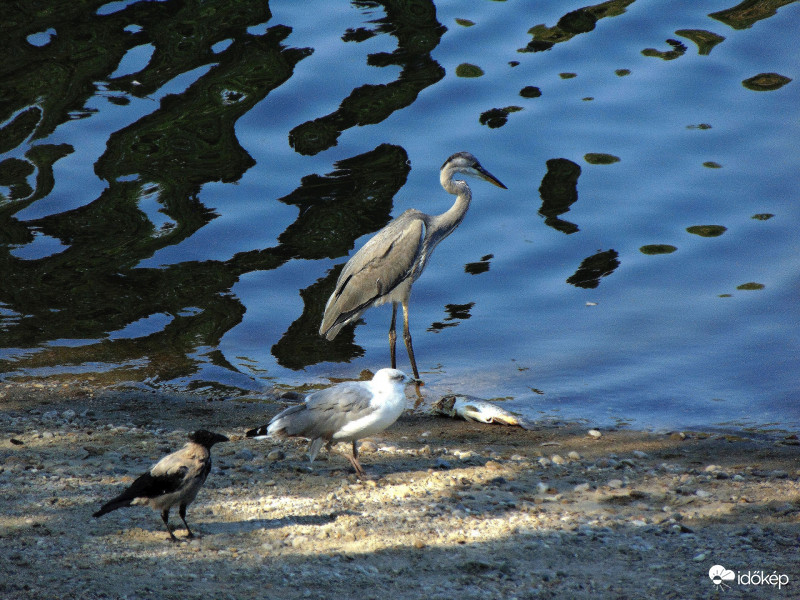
678, 49
162, 88
455, 313
559, 191
92, 289
748, 12
418, 32
576, 22
593, 268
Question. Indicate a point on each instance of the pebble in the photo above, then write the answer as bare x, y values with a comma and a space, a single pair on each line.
244, 454
368, 446
594, 433
276, 455
557, 459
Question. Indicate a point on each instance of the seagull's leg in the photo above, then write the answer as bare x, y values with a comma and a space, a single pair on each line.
393, 336
360, 473
165, 518
182, 513
407, 338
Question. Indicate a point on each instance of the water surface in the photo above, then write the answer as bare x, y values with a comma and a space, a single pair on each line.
182, 181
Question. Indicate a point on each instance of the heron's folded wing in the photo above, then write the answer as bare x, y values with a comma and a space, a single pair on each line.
384, 262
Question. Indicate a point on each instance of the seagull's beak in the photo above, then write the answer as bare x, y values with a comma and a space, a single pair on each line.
484, 174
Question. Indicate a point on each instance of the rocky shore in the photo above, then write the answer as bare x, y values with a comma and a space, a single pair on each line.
452, 509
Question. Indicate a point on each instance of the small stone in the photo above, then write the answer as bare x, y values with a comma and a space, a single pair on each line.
244, 454
615, 484
558, 459
606, 463
703, 494
368, 446
574, 455
275, 455
493, 466
639, 454
545, 462
594, 433
582, 487
543, 487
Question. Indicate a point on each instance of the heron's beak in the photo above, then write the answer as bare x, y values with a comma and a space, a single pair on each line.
489, 177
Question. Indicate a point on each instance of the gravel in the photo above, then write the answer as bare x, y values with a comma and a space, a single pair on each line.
452, 509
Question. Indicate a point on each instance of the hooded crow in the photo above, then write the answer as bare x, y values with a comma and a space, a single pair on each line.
345, 412
175, 479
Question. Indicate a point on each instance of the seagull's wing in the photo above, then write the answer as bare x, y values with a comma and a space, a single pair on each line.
325, 412
373, 272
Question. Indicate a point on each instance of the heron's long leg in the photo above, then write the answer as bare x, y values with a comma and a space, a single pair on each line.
393, 336
407, 338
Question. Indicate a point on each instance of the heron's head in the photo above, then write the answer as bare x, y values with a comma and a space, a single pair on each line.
464, 162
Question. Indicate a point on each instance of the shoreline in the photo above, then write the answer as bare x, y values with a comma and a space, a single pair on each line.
452, 508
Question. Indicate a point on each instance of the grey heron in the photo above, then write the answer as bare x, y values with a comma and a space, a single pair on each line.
345, 412
385, 268
175, 479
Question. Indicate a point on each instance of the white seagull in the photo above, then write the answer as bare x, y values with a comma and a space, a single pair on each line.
345, 412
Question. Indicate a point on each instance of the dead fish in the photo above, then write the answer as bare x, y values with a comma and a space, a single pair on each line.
475, 409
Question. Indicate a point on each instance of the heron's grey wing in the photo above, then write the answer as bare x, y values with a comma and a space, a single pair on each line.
327, 411
384, 262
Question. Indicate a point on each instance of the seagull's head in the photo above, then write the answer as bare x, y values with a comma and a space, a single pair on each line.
392, 377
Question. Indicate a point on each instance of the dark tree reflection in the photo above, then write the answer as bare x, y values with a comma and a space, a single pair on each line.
76, 306
559, 191
593, 268
414, 24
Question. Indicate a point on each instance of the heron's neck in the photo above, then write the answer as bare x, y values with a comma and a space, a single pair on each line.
449, 220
